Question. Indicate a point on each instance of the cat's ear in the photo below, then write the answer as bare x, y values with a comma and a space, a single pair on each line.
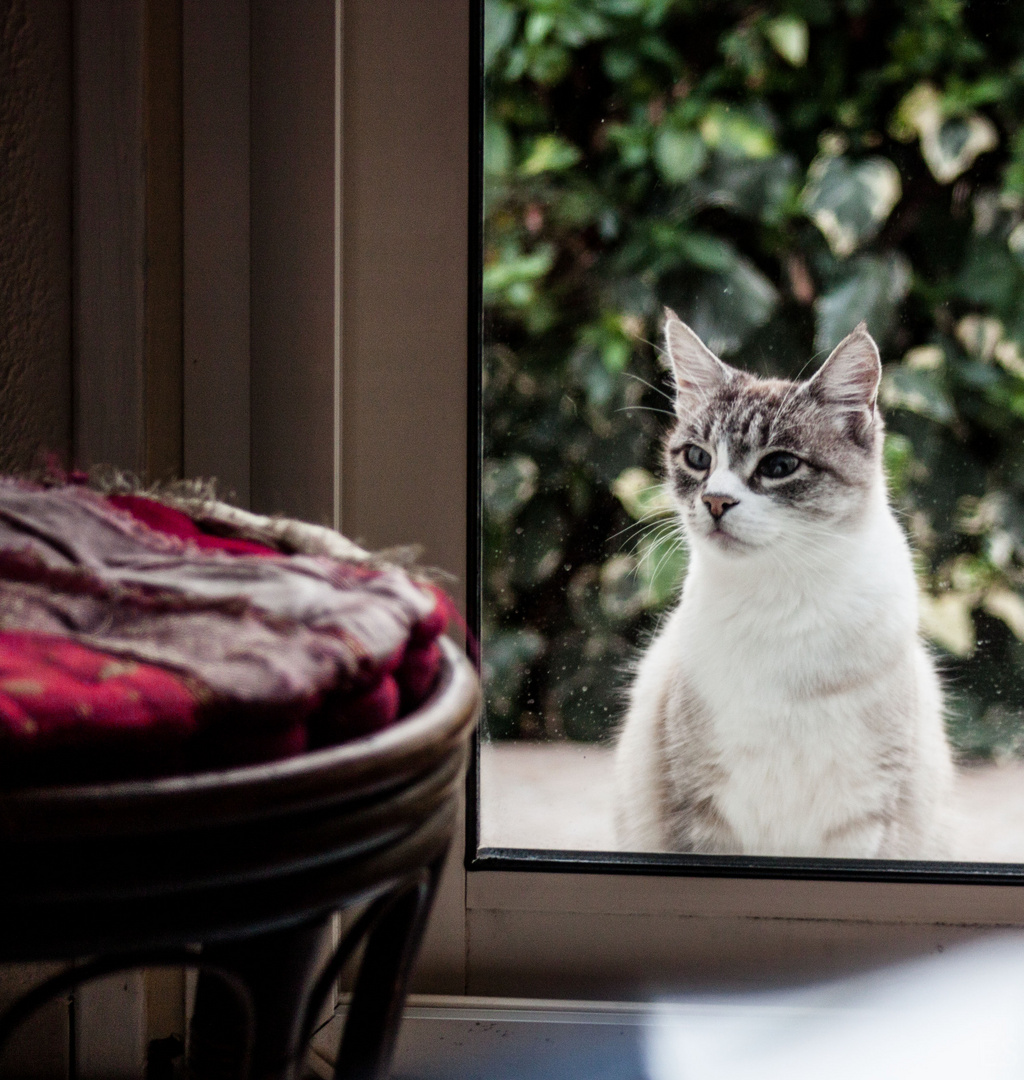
848, 380
698, 372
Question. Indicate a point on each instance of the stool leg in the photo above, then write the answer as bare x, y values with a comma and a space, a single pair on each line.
278, 969
375, 1011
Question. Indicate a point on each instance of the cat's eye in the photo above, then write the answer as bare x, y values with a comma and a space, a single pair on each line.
696, 457
776, 466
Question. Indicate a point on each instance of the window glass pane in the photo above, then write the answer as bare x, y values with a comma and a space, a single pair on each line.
778, 175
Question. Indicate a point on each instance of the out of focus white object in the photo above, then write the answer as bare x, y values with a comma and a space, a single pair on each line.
953, 1016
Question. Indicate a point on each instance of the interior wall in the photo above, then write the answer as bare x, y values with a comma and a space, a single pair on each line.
35, 336
35, 232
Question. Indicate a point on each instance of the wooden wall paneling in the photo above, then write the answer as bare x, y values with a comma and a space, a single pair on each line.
293, 257
162, 96
127, 228
404, 414
216, 243
109, 234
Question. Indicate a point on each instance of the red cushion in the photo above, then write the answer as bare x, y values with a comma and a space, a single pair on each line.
173, 522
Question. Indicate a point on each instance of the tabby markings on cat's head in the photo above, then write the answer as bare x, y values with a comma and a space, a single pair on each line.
768, 464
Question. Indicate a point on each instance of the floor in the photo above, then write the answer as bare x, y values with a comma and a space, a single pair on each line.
558, 796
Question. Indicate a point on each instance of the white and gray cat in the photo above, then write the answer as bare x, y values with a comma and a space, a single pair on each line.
787, 705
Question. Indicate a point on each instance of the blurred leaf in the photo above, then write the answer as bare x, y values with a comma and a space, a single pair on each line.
508, 485
537, 542
946, 620
918, 392
949, 144
587, 699
788, 37
622, 596
548, 63
538, 25
620, 64
577, 25
632, 142
726, 308
759, 189
1008, 606
898, 461
584, 596
512, 268
979, 335
498, 149
641, 495
850, 201
588, 370
708, 252
736, 132
500, 19
872, 293
550, 153
679, 155
990, 275
506, 656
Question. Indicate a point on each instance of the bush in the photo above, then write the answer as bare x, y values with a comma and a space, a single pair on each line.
776, 173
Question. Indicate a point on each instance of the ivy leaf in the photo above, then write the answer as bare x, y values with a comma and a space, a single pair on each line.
737, 132
513, 268
622, 596
506, 656
850, 201
787, 35
508, 485
898, 461
725, 309
872, 293
946, 620
500, 20
679, 155
949, 144
989, 275
1007, 605
761, 189
588, 699
707, 252
498, 150
550, 153
537, 542
918, 391
642, 496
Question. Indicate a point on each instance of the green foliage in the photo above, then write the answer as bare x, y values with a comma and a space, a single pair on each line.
776, 172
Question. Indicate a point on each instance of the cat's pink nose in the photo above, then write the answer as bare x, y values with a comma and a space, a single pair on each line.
718, 504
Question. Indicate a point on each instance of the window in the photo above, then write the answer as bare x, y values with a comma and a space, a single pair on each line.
777, 184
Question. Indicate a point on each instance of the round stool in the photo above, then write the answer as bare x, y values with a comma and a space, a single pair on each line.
237, 873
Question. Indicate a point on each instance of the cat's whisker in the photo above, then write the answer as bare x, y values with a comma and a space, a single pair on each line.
645, 408
638, 528
654, 513
657, 389
664, 558
655, 536
810, 360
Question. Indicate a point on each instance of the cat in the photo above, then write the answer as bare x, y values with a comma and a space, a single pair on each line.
787, 705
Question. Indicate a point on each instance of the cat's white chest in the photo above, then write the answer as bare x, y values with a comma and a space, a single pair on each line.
793, 778
790, 707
